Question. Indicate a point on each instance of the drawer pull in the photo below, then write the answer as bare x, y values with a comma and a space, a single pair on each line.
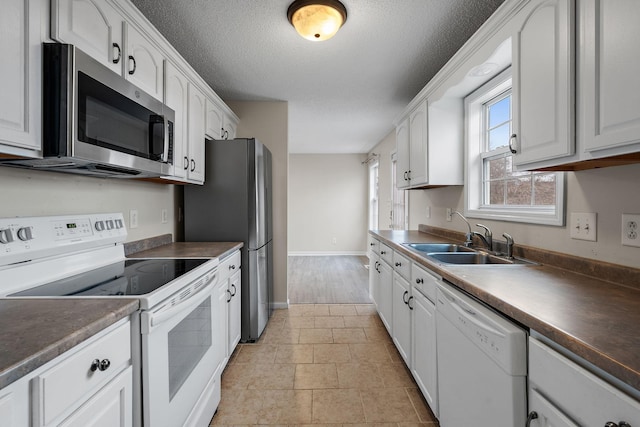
419, 280
398, 264
232, 267
620, 424
100, 365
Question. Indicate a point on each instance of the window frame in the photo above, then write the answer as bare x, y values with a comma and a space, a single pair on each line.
474, 191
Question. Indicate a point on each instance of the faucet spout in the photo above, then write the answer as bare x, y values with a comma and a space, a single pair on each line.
488, 236
469, 236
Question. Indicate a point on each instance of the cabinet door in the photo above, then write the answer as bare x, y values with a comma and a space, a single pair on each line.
93, 26
402, 317
112, 406
418, 172
423, 349
21, 69
229, 128
547, 414
144, 63
176, 97
543, 76
196, 111
402, 152
610, 74
374, 279
214, 120
235, 287
14, 404
385, 295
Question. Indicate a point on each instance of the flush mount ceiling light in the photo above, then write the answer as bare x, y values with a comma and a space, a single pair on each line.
317, 20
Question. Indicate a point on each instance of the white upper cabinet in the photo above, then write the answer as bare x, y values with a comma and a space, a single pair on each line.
402, 149
144, 65
100, 30
21, 82
230, 127
418, 146
196, 134
543, 76
93, 26
176, 96
610, 77
215, 120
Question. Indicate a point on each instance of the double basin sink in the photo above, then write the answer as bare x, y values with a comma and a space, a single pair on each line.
450, 253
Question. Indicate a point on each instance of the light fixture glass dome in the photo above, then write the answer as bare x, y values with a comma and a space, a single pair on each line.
317, 20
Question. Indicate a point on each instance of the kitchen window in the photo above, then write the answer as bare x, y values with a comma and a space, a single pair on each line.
494, 188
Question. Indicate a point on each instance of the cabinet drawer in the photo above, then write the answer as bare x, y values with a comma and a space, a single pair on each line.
582, 396
374, 246
229, 265
71, 380
402, 265
386, 253
425, 281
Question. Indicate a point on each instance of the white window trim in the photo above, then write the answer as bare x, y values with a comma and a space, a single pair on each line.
473, 190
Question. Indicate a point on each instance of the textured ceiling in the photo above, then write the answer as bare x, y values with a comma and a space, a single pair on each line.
344, 93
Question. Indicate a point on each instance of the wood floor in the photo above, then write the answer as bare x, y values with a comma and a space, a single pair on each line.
328, 280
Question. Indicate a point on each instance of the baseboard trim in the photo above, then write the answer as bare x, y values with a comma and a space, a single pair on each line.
351, 253
280, 305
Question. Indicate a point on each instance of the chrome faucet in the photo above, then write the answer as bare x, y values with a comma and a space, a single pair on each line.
487, 239
509, 245
469, 236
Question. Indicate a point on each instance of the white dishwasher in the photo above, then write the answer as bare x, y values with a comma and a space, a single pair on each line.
482, 364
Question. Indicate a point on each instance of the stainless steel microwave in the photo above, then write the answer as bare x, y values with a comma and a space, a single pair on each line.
97, 123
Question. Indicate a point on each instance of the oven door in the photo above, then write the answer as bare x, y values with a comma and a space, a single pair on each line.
178, 357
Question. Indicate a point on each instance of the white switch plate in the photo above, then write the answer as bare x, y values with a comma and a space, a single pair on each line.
165, 216
448, 216
583, 226
631, 230
428, 212
133, 218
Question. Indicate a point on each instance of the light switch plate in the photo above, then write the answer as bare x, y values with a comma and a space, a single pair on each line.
631, 230
583, 226
133, 218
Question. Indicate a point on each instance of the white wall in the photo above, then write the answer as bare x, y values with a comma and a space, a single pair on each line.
37, 193
328, 204
269, 123
385, 198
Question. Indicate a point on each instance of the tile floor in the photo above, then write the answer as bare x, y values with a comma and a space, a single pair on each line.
321, 364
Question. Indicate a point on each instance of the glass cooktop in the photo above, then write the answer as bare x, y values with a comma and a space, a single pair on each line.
127, 277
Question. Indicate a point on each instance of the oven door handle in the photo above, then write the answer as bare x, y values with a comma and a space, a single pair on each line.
154, 319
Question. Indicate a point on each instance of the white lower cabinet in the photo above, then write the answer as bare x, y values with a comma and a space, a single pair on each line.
564, 393
424, 365
235, 307
402, 317
229, 296
14, 404
385, 294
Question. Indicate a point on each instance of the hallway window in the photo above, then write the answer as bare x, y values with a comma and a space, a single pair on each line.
373, 196
399, 215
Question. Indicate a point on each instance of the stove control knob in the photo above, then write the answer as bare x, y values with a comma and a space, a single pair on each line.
99, 225
6, 236
25, 233
119, 223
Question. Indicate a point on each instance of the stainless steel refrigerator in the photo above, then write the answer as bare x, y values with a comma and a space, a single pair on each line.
235, 204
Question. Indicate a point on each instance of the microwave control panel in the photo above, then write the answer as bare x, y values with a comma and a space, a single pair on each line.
28, 238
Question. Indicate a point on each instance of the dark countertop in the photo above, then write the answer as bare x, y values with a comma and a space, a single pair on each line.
190, 250
596, 319
35, 331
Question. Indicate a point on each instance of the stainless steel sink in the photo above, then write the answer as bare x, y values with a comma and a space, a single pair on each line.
438, 247
474, 258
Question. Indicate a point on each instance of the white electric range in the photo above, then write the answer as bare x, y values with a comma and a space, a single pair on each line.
82, 256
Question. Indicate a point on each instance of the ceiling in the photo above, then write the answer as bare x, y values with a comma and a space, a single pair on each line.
344, 93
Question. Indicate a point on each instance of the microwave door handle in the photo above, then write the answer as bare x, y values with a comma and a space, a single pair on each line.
155, 319
165, 150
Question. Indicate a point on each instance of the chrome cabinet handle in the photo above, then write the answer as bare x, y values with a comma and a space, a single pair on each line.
234, 290
193, 165
511, 138
100, 365
230, 296
116, 58
186, 163
409, 175
403, 297
133, 70
533, 415
409, 302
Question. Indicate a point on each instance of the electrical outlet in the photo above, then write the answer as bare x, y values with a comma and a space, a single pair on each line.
583, 226
334, 240
428, 212
165, 216
448, 215
133, 218
631, 230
